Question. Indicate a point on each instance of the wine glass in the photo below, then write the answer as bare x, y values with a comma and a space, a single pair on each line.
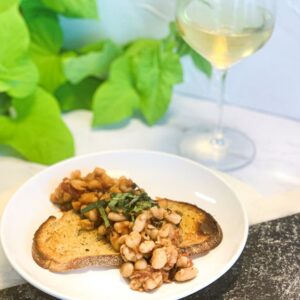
224, 32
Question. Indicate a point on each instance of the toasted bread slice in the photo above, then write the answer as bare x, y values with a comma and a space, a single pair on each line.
59, 245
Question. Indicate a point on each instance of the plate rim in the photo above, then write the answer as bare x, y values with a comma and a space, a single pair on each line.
30, 279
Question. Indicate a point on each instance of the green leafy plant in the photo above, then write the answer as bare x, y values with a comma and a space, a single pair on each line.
39, 79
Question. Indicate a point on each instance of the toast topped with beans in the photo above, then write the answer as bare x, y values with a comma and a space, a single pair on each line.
113, 222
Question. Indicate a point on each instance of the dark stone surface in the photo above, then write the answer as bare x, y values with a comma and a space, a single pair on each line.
269, 268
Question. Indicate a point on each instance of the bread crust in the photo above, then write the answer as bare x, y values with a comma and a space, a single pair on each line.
196, 240
40, 257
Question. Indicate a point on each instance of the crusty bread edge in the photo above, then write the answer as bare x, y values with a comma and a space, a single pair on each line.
212, 242
39, 257
205, 247
46, 262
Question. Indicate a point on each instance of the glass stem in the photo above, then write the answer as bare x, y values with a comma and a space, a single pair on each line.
219, 81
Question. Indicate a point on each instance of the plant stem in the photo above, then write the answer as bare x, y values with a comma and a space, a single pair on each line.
219, 80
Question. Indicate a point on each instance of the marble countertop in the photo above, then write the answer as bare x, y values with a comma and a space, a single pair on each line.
269, 268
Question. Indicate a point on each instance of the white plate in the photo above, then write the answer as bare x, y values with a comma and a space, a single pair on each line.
161, 175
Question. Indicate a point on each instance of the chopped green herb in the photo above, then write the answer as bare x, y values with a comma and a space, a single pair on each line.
142, 205
130, 204
91, 206
104, 216
100, 206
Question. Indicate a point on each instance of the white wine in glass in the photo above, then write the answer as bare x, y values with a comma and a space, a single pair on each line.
224, 32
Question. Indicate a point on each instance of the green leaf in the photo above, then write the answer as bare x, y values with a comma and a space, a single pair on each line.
77, 96
96, 46
14, 36
74, 8
37, 131
91, 64
201, 63
50, 68
18, 75
116, 99
141, 78
43, 25
46, 42
6, 4
19, 78
156, 70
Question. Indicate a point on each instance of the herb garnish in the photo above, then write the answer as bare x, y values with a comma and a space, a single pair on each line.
104, 216
100, 206
129, 204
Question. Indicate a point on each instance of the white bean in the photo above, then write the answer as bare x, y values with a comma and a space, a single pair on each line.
186, 274
122, 227
172, 217
78, 184
153, 282
150, 226
172, 254
127, 253
122, 239
135, 284
140, 222
101, 230
114, 238
153, 234
113, 216
126, 269
159, 258
157, 277
140, 264
158, 212
133, 239
92, 215
149, 284
146, 246
166, 230
86, 224
184, 261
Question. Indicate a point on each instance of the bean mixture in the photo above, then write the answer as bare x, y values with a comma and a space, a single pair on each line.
146, 236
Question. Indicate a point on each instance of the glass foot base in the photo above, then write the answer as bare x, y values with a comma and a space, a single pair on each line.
233, 151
